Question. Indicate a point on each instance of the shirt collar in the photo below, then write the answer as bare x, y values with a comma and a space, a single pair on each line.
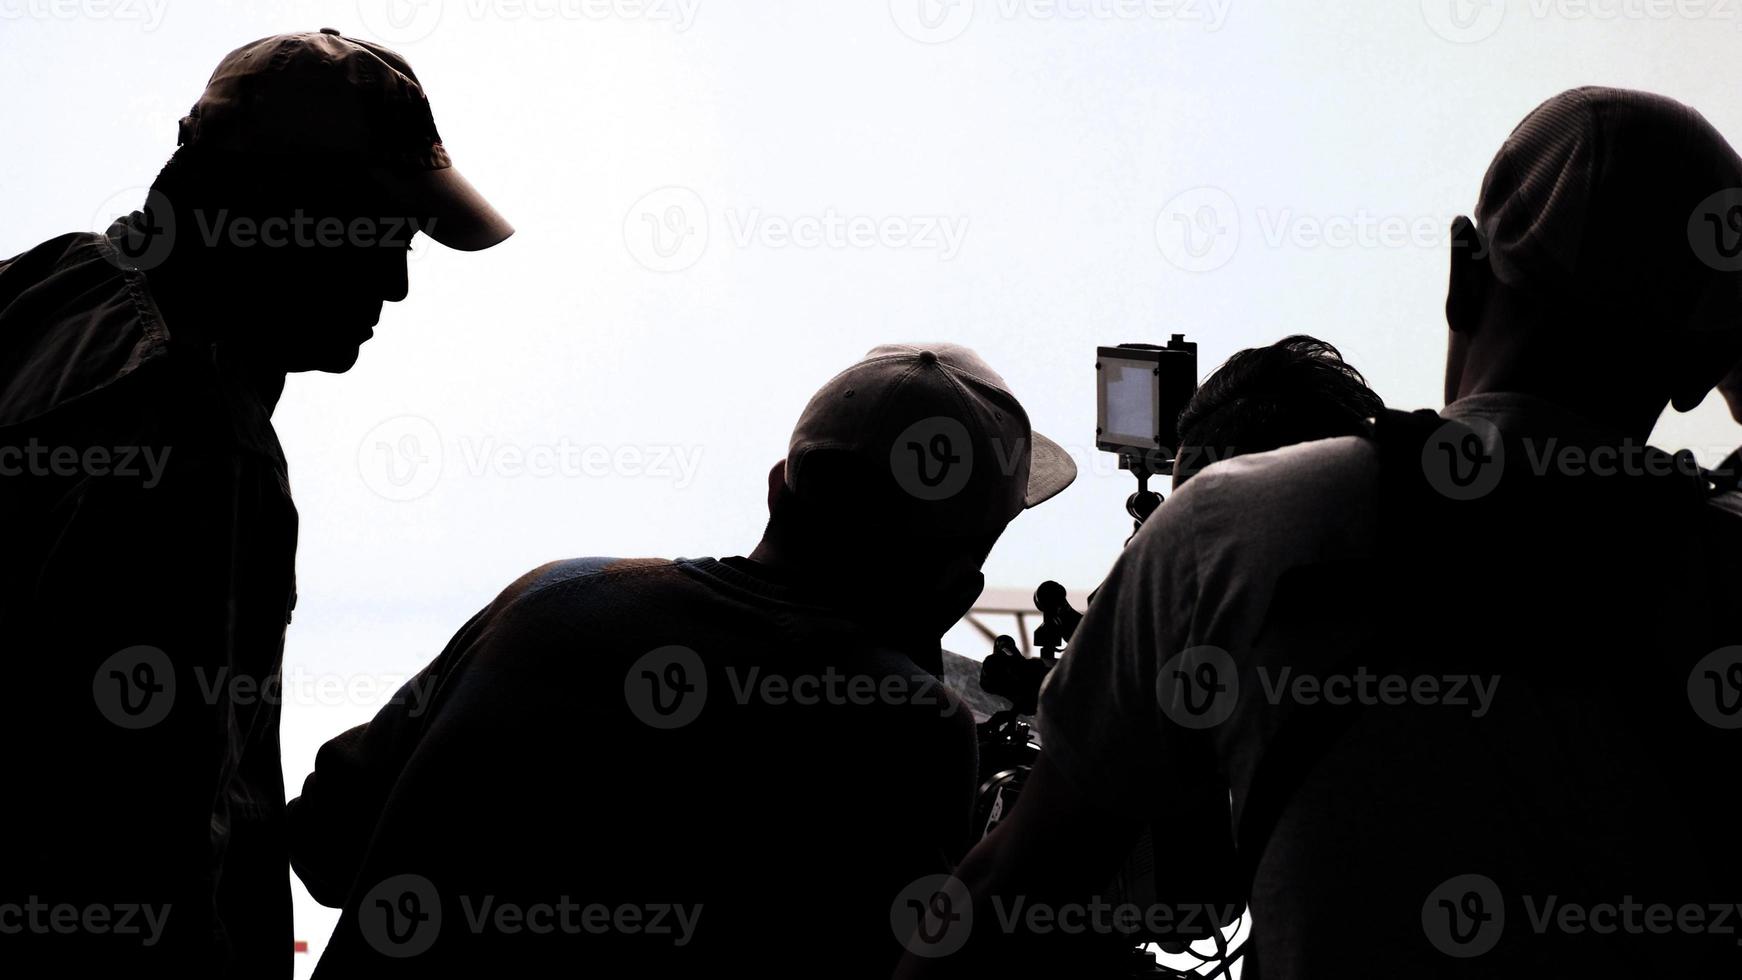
1528, 416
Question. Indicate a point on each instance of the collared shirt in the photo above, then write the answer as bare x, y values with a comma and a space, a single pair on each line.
1519, 756
145, 588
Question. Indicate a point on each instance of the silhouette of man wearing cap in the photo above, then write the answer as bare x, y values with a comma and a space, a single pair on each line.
148, 575
1461, 680
740, 763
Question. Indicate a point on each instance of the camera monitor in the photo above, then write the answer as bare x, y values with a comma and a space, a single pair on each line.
1140, 391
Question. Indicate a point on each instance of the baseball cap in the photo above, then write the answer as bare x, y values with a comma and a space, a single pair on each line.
323, 93
1604, 193
945, 429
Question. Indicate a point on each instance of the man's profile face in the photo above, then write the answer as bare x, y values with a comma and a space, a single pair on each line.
308, 284
937, 581
332, 298
302, 277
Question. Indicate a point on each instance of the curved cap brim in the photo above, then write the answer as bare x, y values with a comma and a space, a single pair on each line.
451, 209
1050, 469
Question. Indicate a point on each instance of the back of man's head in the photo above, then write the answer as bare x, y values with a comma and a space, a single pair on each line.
1296, 390
1609, 217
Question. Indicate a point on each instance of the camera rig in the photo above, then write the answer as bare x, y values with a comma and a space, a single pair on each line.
1140, 391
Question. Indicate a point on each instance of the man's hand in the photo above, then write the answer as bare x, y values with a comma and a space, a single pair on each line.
1055, 847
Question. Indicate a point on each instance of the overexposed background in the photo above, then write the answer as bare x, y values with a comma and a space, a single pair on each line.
720, 204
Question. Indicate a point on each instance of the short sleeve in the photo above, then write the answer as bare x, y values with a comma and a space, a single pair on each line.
1100, 718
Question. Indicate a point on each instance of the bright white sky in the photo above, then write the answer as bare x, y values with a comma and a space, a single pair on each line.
1017, 159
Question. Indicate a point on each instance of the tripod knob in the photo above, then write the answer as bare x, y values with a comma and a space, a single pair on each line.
1057, 619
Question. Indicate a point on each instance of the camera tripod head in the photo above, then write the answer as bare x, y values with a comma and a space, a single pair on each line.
1145, 501
1058, 619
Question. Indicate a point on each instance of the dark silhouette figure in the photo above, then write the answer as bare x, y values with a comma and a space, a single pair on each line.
742, 763
1296, 390
1263, 398
148, 575
1469, 681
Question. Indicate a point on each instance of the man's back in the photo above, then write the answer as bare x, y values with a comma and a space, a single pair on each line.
709, 770
1517, 734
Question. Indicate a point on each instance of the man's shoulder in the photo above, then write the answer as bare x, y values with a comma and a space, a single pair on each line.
1221, 544
72, 322
557, 580
1297, 493
610, 600
1302, 473
34, 262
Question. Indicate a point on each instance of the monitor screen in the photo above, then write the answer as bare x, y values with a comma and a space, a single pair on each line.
1128, 402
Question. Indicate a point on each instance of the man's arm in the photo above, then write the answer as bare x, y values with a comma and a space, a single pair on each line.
1056, 846
1111, 761
332, 822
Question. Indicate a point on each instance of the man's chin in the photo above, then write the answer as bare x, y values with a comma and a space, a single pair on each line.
336, 360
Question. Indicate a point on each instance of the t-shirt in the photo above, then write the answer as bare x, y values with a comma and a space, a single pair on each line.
1525, 740
655, 767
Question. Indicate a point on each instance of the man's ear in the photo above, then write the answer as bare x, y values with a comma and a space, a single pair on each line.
1471, 278
776, 484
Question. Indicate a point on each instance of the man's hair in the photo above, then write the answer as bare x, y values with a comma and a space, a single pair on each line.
1296, 390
